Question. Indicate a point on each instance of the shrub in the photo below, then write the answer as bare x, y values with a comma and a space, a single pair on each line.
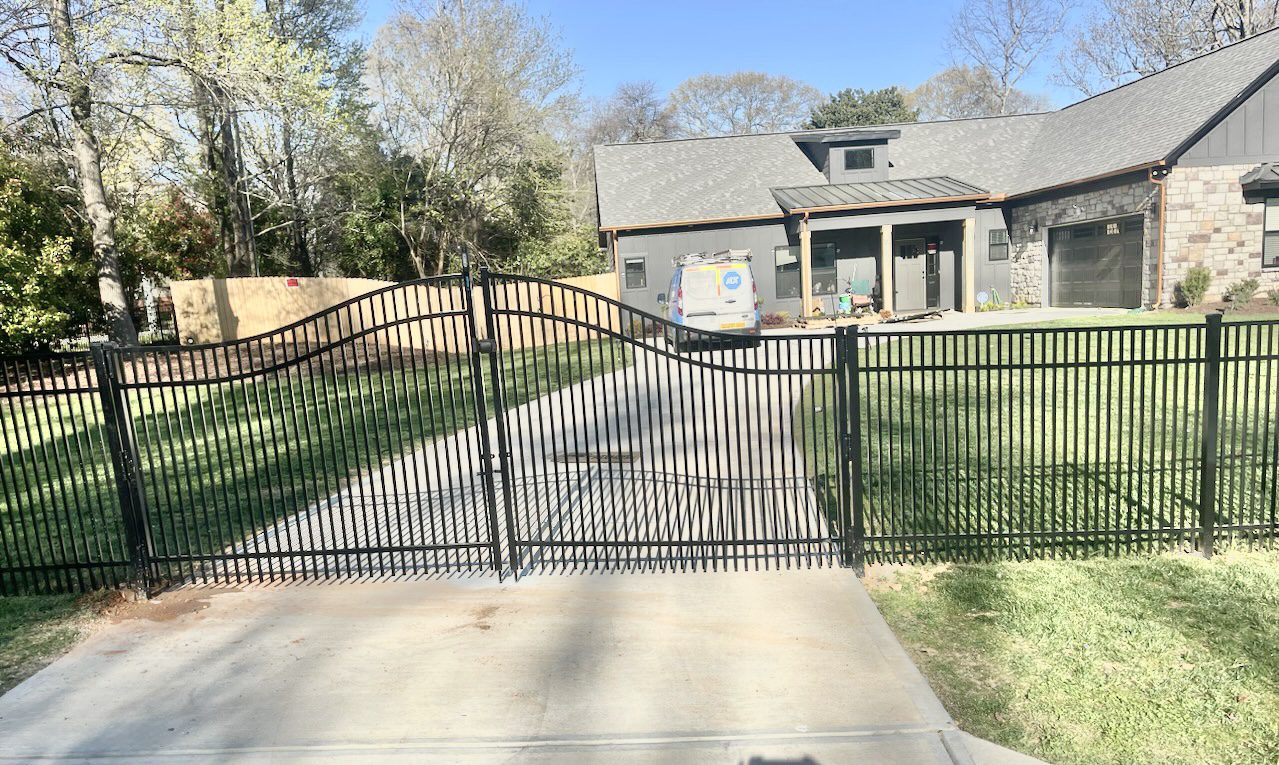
1273, 297
1193, 288
776, 319
1242, 292
641, 327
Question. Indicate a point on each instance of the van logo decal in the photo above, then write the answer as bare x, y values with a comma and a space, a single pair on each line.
732, 280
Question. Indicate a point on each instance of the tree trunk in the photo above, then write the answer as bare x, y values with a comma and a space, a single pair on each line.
74, 81
241, 255
297, 226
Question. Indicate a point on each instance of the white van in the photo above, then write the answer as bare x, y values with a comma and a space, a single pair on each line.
714, 292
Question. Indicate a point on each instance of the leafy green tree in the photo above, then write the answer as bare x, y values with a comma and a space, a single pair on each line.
854, 107
47, 287
167, 237
533, 233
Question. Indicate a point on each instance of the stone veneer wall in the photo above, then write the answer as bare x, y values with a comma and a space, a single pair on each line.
1128, 195
1211, 224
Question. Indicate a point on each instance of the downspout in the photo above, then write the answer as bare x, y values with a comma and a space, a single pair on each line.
1159, 176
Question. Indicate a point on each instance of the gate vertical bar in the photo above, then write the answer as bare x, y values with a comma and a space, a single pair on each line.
124, 463
847, 377
477, 347
1208, 445
499, 411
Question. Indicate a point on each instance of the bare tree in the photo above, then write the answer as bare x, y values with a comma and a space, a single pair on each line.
964, 91
1127, 39
465, 88
44, 44
635, 112
1006, 38
742, 102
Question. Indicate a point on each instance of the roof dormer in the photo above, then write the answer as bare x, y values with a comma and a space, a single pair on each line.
849, 156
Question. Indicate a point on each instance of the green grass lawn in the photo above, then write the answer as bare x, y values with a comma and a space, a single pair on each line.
36, 629
972, 449
219, 462
1165, 659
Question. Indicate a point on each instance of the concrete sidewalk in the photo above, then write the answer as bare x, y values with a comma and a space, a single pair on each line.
759, 667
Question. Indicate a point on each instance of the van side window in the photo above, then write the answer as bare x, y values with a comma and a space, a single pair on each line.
635, 273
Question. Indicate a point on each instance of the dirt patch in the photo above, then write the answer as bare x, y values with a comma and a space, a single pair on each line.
1261, 306
165, 607
881, 577
481, 617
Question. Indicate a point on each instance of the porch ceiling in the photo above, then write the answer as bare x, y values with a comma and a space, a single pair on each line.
849, 196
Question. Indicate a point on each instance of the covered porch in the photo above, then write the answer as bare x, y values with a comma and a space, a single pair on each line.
911, 244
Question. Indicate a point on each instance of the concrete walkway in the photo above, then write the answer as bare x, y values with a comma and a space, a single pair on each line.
759, 667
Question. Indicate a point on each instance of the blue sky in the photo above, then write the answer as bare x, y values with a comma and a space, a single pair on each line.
831, 45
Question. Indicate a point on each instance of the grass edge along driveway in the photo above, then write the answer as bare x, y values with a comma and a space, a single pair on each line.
37, 629
1168, 659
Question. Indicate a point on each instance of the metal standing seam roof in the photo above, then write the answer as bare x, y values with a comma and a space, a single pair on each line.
1263, 176
871, 193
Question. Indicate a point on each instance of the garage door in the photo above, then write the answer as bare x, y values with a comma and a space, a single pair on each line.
1097, 264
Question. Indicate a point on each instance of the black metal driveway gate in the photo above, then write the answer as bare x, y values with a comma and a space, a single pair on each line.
436, 426
617, 452
341, 445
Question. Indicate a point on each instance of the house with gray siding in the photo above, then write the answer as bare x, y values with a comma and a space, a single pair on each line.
1107, 202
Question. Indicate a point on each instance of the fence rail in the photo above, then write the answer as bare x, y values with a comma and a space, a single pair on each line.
382, 437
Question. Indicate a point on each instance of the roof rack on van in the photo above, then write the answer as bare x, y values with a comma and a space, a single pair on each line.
723, 256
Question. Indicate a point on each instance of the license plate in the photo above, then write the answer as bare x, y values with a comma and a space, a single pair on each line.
733, 325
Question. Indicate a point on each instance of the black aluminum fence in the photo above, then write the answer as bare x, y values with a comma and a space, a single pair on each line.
60, 521
1032, 442
526, 426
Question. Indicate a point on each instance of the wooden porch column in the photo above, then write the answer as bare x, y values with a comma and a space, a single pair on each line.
969, 259
886, 266
805, 269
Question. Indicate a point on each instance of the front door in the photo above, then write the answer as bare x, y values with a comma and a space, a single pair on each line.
932, 272
910, 276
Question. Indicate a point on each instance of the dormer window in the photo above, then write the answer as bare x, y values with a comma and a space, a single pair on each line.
859, 159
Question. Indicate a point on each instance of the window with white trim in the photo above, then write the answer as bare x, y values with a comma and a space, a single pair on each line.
997, 244
634, 273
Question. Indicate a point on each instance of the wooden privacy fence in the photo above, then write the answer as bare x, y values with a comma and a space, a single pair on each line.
226, 310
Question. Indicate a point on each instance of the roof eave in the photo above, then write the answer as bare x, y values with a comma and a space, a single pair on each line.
693, 222
1082, 181
892, 203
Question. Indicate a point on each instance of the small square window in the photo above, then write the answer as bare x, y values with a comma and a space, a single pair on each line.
635, 273
859, 159
997, 245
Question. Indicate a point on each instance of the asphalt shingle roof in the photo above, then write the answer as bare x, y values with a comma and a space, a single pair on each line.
702, 179
872, 193
1140, 123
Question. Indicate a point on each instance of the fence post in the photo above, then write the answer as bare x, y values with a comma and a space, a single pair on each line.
1208, 447
846, 347
124, 462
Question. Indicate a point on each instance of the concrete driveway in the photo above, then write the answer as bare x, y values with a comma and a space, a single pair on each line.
781, 667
